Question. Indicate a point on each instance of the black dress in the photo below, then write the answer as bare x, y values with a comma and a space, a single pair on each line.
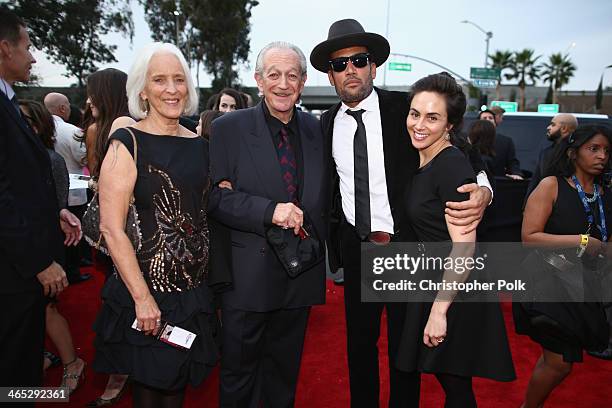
171, 193
476, 344
583, 326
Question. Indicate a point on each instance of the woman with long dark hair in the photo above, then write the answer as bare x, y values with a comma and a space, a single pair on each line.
107, 101
453, 339
568, 213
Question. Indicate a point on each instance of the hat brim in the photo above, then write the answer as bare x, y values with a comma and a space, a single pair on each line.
377, 45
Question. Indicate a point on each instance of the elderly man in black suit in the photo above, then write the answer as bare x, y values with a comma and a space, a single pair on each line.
272, 154
30, 234
372, 161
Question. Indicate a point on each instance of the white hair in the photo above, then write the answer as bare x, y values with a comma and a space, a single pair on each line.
281, 45
137, 77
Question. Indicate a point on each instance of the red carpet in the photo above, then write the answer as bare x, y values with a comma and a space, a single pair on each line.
324, 380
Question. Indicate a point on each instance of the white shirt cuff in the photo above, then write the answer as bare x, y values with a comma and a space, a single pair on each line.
483, 181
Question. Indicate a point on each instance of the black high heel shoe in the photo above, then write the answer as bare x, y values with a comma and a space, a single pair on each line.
102, 402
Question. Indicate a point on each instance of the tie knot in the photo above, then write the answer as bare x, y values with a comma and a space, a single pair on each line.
356, 114
283, 132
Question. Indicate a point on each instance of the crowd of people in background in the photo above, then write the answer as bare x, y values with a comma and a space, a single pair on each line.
209, 188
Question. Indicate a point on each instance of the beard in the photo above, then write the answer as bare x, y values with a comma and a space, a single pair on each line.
554, 137
358, 94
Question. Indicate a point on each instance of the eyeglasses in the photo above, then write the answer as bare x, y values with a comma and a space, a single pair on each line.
359, 61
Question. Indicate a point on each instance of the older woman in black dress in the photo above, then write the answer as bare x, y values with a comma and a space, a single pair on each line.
163, 280
451, 339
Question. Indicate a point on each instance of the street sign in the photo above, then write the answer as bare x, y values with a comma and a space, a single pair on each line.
484, 73
400, 66
507, 106
548, 107
485, 83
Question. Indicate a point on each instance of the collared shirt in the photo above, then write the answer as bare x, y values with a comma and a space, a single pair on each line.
6, 89
73, 153
293, 131
345, 127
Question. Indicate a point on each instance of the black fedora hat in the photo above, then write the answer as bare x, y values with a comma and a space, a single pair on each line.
349, 33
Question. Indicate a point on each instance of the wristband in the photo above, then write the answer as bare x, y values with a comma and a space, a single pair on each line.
584, 242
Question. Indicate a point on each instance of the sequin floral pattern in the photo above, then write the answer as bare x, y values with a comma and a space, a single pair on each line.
176, 255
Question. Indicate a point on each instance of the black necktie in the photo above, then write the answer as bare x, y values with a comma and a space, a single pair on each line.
362, 176
16, 103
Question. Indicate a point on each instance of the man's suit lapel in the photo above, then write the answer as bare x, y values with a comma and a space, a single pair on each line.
311, 163
390, 131
265, 157
10, 108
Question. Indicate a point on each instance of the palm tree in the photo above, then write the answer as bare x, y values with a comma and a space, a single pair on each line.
557, 72
500, 60
524, 68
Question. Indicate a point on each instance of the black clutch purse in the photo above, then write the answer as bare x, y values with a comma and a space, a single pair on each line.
297, 253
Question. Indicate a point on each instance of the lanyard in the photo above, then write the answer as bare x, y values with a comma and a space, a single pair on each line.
587, 208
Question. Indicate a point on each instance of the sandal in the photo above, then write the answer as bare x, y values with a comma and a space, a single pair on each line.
55, 360
80, 377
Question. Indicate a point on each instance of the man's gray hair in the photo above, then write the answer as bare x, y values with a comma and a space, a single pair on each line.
282, 45
137, 78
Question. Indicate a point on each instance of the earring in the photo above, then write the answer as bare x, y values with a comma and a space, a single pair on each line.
146, 106
447, 136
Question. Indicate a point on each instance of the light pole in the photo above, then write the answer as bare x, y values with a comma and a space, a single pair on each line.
176, 14
488, 35
387, 37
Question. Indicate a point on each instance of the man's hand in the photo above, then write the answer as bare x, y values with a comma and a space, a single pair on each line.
288, 215
71, 226
53, 279
469, 213
226, 184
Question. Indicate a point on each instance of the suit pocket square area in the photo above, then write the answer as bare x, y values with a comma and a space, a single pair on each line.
296, 253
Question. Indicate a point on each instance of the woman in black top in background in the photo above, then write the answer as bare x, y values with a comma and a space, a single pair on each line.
556, 217
453, 340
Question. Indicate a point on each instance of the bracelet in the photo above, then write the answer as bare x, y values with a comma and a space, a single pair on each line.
584, 242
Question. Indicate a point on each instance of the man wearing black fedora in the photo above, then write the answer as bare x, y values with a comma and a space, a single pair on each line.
372, 161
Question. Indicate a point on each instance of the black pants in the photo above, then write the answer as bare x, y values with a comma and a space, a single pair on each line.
22, 336
363, 332
261, 357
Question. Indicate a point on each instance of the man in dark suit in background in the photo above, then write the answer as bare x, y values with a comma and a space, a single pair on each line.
30, 235
272, 154
505, 162
371, 161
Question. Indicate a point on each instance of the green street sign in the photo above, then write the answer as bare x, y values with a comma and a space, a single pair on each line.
548, 107
507, 106
400, 66
485, 83
484, 73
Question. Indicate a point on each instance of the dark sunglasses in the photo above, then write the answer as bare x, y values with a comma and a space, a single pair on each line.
359, 61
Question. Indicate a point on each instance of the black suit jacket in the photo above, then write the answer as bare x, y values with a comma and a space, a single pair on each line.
242, 151
505, 161
401, 162
30, 236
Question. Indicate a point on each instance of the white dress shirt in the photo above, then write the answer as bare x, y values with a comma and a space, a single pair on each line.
73, 153
342, 151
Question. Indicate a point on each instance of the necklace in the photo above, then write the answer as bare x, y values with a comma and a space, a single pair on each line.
591, 199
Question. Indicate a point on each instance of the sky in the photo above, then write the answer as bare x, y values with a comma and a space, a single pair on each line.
427, 29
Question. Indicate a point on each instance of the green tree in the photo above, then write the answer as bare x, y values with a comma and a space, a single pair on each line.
599, 92
500, 60
557, 72
210, 32
524, 68
70, 31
